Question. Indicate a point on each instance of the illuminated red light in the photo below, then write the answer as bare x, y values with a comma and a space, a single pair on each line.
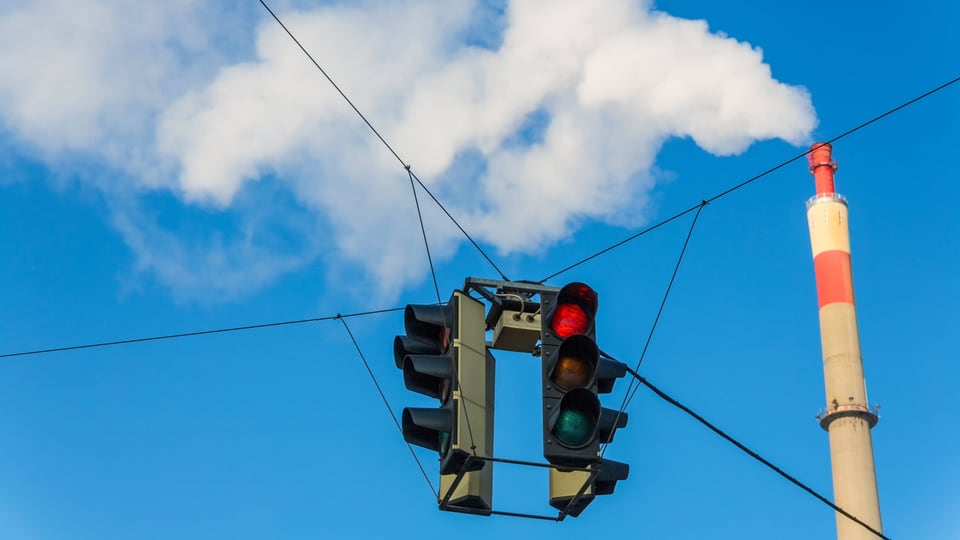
576, 306
569, 320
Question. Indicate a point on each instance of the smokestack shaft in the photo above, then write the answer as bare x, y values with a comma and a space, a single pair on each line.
822, 166
848, 417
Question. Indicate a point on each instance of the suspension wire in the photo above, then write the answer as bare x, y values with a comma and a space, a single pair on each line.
475, 245
387, 403
436, 286
631, 388
663, 395
198, 333
756, 177
620, 243
666, 294
381, 138
426, 244
850, 131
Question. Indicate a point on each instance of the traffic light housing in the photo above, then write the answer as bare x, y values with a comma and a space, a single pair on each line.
574, 422
443, 355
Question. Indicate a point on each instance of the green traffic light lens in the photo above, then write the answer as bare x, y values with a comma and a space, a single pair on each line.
443, 442
574, 427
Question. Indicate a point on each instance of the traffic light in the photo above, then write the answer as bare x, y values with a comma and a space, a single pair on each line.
444, 356
574, 422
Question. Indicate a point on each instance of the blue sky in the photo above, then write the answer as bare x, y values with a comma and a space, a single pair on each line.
193, 171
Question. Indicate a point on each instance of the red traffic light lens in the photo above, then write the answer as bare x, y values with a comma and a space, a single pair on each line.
569, 320
576, 307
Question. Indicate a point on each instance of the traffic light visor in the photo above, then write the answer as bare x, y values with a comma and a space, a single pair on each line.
430, 324
406, 345
428, 428
429, 375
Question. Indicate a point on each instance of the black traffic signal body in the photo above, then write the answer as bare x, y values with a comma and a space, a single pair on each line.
444, 356
574, 422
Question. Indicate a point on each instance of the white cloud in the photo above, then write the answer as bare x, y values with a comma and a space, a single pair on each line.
209, 269
153, 90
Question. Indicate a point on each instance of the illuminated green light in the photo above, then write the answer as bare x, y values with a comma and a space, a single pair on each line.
573, 427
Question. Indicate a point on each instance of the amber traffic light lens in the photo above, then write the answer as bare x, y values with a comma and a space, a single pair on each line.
571, 372
444, 390
576, 365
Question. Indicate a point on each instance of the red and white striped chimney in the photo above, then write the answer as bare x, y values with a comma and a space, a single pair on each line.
848, 416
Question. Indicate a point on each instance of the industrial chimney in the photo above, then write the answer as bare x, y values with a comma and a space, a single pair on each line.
848, 416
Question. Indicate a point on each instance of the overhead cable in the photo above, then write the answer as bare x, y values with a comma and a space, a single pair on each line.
387, 404
198, 333
405, 165
436, 286
628, 396
750, 180
663, 395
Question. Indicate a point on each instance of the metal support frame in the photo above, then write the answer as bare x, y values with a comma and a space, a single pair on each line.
445, 497
504, 295
514, 296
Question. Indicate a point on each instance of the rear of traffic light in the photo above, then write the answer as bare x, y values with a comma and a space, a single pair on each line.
444, 356
574, 422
